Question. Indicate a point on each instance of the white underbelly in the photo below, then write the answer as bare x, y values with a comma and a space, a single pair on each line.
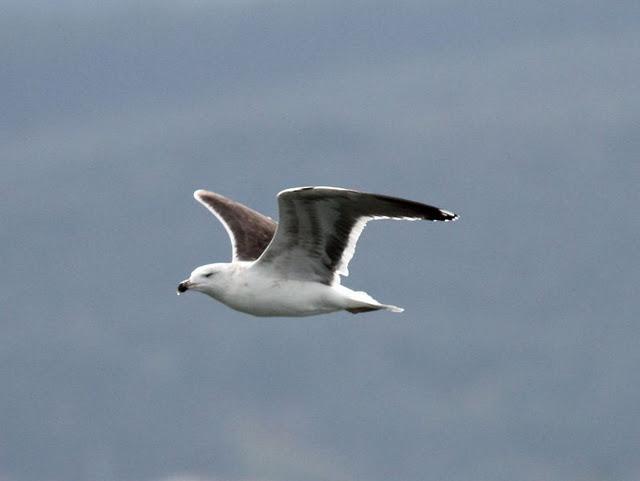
268, 297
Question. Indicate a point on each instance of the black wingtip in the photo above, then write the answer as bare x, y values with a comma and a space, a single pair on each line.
448, 216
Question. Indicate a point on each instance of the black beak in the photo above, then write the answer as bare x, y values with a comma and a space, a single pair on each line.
183, 287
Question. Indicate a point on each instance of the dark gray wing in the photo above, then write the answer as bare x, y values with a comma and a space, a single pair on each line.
250, 232
320, 226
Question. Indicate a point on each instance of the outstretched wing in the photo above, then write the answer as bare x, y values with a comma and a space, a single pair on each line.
250, 232
320, 226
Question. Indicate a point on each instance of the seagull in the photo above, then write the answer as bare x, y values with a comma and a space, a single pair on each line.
293, 268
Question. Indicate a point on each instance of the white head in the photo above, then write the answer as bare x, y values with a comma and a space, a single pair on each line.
209, 279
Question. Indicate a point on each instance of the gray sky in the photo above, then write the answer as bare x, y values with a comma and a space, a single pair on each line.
517, 356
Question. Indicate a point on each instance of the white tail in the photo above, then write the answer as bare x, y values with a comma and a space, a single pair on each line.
389, 307
363, 302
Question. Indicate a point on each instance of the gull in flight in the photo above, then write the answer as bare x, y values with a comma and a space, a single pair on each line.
293, 268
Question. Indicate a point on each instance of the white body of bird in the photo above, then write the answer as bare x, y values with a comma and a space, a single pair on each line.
293, 268
250, 289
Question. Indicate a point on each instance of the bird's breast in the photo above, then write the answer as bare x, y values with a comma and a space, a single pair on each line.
264, 296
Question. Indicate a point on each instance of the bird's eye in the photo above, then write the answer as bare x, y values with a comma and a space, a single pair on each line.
208, 274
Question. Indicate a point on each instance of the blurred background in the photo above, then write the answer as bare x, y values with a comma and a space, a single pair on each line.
518, 355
